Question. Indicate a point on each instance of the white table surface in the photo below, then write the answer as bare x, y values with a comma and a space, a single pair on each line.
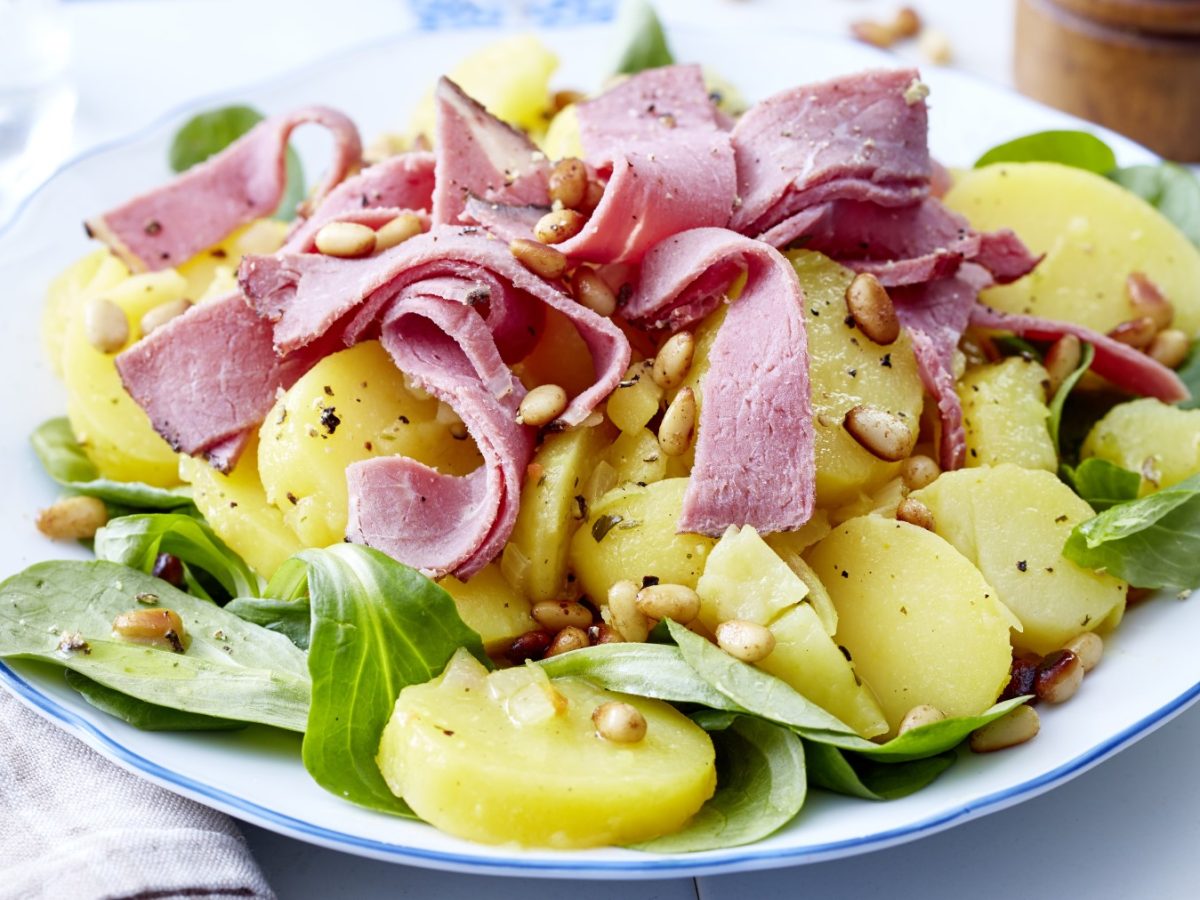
1126, 829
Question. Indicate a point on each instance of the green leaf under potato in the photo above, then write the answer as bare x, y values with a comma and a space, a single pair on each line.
1064, 390
761, 786
377, 627
1103, 484
1070, 148
833, 770
231, 669
143, 715
1171, 189
291, 618
64, 460
644, 44
1153, 542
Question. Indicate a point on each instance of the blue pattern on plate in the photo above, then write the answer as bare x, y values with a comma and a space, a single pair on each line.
436, 15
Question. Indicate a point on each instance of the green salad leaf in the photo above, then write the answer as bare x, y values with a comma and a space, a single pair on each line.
62, 613
291, 618
1079, 149
1103, 484
643, 42
1153, 542
1189, 373
1171, 189
1064, 390
208, 133
858, 776
143, 715
136, 541
377, 627
64, 460
927, 741
761, 786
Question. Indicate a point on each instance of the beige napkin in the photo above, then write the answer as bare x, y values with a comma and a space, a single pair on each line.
75, 827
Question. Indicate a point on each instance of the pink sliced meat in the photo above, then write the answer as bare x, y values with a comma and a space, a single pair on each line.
1125, 367
754, 452
245, 181
480, 156
861, 137
434, 522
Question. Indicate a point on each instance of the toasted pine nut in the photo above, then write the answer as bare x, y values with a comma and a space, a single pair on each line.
678, 424
591, 199
872, 309
397, 231
558, 614
669, 601
602, 634
907, 23
918, 716
345, 240
1089, 647
935, 46
568, 182
558, 225
162, 314
919, 471
1063, 358
105, 325
158, 626
619, 722
538, 258
673, 361
876, 34
1137, 333
914, 512
1169, 347
530, 645
542, 405
567, 639
1058, 677
626, 617
880, 433
747, 641
72, 519
562, 99
593, 292
1147, 300
1019, 726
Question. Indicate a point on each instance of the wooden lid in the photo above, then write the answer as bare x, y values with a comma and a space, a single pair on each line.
1164, 17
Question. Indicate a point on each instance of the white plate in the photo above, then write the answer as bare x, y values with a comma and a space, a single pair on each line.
1150, 672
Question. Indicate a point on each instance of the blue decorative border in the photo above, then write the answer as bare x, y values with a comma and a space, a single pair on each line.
435, 15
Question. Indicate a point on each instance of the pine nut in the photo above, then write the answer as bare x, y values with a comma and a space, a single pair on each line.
747, 641
591, 199
1089, 647
669, 601
935, 46
345, 240
602, 634
626, 617
872, 309
874, 33
397, 231
1147, 300
530, 645
1063, 358
105, 325
1169, 347
568, 183
919, 716
162, 314
72, 519
1019, 726
907, 23
880, 433
678, 424
1137, 333
558, 225
593, 292
568, 639
558, 614
914, 512
919, 471
538, 258
1058, 677
542, 405
159, 627
673, 361
619, 722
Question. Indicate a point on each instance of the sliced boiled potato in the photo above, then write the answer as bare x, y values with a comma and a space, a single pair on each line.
1160, 442
636, 400
1005, 415
636, 458
630, 535
86, 277
1094, 234
559, 357
1012, 523
490, 607
352, 405
236, 507
745, 579
919, 621
262, 236
514, 758
562, 136
848, 369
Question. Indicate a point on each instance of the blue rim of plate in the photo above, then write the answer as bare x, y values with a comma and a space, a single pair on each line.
716, 862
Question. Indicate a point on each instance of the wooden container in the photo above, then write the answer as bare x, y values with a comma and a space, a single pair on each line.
1132, 65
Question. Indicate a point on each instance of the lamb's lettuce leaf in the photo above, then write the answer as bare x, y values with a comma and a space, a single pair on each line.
645, 670
1079, 149
1189, 373
643, 41
1103, 484
860, 776
1171, 189
1064, 391
291, 618
143, 715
